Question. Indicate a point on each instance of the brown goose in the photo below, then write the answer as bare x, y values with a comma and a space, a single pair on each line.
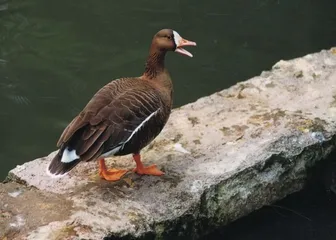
123, 116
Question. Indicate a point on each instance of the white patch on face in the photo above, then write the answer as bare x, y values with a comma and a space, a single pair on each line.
177, 38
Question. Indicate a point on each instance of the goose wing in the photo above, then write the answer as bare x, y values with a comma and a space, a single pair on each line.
111, 119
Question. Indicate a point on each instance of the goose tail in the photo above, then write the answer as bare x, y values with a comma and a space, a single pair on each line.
65, 160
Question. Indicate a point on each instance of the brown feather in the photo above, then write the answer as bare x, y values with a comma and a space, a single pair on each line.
110, 118
75, 125
88, 133
95, 149
88, 143
131, 105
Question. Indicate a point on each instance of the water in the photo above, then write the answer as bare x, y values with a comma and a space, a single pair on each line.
54, 55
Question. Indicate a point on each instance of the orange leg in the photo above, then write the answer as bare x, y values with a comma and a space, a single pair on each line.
140, 169
111, 174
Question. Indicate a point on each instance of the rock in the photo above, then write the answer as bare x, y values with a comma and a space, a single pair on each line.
224, 155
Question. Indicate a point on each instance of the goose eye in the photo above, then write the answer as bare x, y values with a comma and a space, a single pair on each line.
169, 37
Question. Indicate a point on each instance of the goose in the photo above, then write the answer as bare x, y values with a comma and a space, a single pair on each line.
123, 117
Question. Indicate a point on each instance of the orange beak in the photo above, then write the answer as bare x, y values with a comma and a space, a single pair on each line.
182, 43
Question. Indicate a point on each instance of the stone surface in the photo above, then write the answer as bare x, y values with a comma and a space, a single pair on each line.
224, 156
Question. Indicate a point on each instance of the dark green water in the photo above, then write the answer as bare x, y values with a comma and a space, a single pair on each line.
54, 55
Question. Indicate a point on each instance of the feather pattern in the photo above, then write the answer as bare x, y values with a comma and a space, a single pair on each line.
123, 116
126, 113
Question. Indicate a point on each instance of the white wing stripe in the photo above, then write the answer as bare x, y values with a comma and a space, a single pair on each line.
122, 144
111, 152
138, 127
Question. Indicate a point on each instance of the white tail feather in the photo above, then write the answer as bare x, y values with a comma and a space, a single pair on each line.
69, 156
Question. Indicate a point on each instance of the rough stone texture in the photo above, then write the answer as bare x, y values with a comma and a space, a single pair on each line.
224, 155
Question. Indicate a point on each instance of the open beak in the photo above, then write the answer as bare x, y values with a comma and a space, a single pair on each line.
182, 43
